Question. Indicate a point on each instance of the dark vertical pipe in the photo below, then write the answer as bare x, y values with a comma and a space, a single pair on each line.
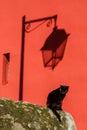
22, 60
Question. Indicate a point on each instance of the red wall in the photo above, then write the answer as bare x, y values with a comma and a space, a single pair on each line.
39, 81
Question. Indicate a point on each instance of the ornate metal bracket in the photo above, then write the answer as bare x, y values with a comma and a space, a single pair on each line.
49, 19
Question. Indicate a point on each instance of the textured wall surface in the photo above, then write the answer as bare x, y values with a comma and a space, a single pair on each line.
15, 115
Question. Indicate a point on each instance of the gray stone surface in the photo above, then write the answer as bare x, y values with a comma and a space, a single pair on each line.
16, 115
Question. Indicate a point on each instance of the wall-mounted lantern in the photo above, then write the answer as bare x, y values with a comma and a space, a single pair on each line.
53, 49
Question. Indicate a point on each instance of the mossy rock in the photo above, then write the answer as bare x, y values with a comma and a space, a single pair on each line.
17, 115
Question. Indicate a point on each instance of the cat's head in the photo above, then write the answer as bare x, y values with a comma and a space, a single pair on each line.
63, 89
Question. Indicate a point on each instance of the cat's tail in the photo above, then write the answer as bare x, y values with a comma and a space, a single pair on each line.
57, 115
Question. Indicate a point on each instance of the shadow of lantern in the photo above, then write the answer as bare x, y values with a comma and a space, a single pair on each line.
53, 49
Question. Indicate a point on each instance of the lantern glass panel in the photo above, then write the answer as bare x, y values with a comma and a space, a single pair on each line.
47, 56
60, 50
55, 60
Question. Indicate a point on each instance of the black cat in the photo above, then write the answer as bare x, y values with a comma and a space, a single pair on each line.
55, 98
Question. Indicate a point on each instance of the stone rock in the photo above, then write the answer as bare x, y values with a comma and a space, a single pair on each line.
17, 115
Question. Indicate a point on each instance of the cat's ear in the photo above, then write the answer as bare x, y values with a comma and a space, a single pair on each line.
60, 89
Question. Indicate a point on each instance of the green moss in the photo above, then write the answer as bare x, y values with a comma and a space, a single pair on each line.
15, 115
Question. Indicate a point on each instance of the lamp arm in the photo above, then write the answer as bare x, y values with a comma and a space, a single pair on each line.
41, 19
